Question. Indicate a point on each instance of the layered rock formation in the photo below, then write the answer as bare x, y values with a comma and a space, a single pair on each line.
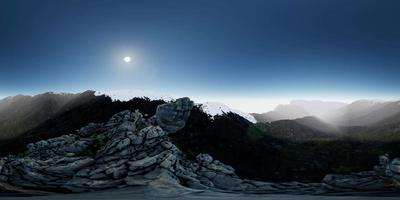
128, 150
131, 150
384, 177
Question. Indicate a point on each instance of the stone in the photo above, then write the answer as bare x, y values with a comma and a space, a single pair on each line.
69, 168
89, 130
353, 182
166, 144
152, 132
395, 166
145, 162
226, 182
130, 150
172, 117
123, 143
204, 159
136, 181
127, 126
169, 161
117, 172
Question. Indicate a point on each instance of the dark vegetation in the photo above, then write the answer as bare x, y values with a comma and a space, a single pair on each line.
257, 155
91, 108
251, 150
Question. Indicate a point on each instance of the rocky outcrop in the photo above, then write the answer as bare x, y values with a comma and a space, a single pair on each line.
133, 150
172, 117
384, 177
128, 150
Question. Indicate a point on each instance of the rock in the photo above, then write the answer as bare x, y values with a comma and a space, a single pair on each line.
128, 150
145, 162
152, 132
226, 182
169, 161
89, 130
172, 116
395, 166
123, 144
354, 183
117, 172
136, 181
204, 159
166, 144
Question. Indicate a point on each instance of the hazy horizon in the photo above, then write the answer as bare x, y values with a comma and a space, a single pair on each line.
255, 104
274, 51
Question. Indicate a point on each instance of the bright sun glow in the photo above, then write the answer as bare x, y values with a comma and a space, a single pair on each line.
127, 59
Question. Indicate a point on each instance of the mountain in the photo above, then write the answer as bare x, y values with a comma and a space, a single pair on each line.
319, 125
212, 108
366, 113
283, 111
299, 109
298, 131
318, 108
230, 138
21, 113
90, 108
217, 108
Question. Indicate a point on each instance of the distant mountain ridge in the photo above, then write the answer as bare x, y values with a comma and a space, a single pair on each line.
213, 108
362, 119
284, 150
217, 108
365, 113
21, 113
299, 109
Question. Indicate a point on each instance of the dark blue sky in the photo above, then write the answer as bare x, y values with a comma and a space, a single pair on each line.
282, 48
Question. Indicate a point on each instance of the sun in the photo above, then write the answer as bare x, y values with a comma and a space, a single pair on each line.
127, 59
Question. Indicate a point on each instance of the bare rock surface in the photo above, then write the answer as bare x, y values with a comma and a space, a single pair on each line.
131, 150
383, 177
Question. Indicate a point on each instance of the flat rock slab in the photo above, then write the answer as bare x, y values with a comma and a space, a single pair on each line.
146, 193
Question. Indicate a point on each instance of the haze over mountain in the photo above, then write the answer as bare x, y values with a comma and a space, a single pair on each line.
21, 113
371, 120
365, 113
300, 108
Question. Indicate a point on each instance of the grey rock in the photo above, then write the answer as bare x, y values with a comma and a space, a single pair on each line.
166, 144
204, 159
227, 182
172, 116
152, 132
351, 182
89, 130
145, 162
132, 150
395, 166
136, 181
169, 161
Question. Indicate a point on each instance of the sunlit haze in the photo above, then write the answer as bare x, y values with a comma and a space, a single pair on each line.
272, 53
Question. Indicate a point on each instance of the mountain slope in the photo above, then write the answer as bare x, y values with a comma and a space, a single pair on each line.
299, 109
364, 113
282, 112
294, 131
317, 124
96, 109
21, 113
217, 108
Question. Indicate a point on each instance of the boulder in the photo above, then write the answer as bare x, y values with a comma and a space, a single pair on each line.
172, 116
395, 166
204, 159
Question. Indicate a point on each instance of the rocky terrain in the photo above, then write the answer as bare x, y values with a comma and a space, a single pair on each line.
132, 149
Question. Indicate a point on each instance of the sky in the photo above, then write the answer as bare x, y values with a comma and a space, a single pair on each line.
248, 54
